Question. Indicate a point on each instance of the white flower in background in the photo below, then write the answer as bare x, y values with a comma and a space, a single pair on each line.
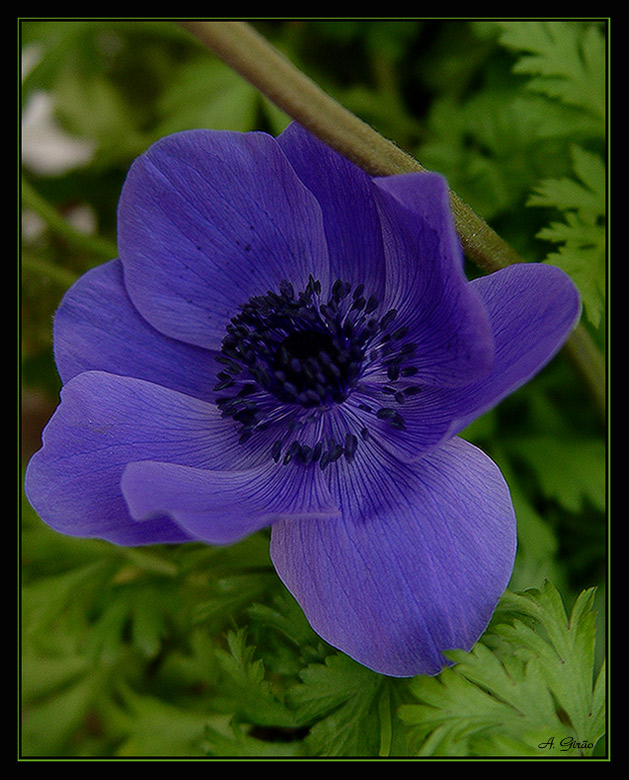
47, 149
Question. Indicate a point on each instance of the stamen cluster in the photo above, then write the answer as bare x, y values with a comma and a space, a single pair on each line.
287, 358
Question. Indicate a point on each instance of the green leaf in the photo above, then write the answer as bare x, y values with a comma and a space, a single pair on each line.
582, 236
569, 470
563, 649
61, 688
49, 725
536, 557
586, 195
90, 106
534, 688
206, 93
148, 726
352, 709
284, 616
44, 600
244, 687
44, 674
482, 697
566, 60
497, 144
148, 621
226, 595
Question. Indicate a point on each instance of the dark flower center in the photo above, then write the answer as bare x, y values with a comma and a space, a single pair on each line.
288, 357
316, 364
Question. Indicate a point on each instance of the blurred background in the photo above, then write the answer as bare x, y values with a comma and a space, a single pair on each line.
124, 650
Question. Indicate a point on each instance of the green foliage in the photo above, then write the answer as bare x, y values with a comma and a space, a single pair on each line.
570, 471
496, 143
533, 694
582, 235
535, 140
245, 690
199, 652
565, 60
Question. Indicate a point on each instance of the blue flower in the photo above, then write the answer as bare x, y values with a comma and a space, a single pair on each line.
288, 342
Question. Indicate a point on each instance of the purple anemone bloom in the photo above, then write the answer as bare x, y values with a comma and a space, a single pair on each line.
286, 341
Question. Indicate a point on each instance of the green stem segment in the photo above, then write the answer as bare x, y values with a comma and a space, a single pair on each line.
250, 54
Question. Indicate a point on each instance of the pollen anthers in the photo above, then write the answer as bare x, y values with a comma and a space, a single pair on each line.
289, 358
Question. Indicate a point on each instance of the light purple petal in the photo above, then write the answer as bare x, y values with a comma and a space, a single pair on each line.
207, 219
104, 422
415, 571
345, 194
426, 283
98, 328
221, 507
532, 308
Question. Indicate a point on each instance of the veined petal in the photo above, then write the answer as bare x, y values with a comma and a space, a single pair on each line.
417, 572
97, 328
350, 215
103, 423
221, 507
423, 425
426, 285
206, 220
532, 309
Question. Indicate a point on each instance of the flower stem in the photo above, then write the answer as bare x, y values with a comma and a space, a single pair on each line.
250, 54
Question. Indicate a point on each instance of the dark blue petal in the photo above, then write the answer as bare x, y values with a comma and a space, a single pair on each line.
426, 286
345, 194
206, 220
415, 570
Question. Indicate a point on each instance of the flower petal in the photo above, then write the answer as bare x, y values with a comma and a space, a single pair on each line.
426, 284
98, 328
104, 422
416, 572
532, 308
222, 507
206, 220
345, 194
421, 425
